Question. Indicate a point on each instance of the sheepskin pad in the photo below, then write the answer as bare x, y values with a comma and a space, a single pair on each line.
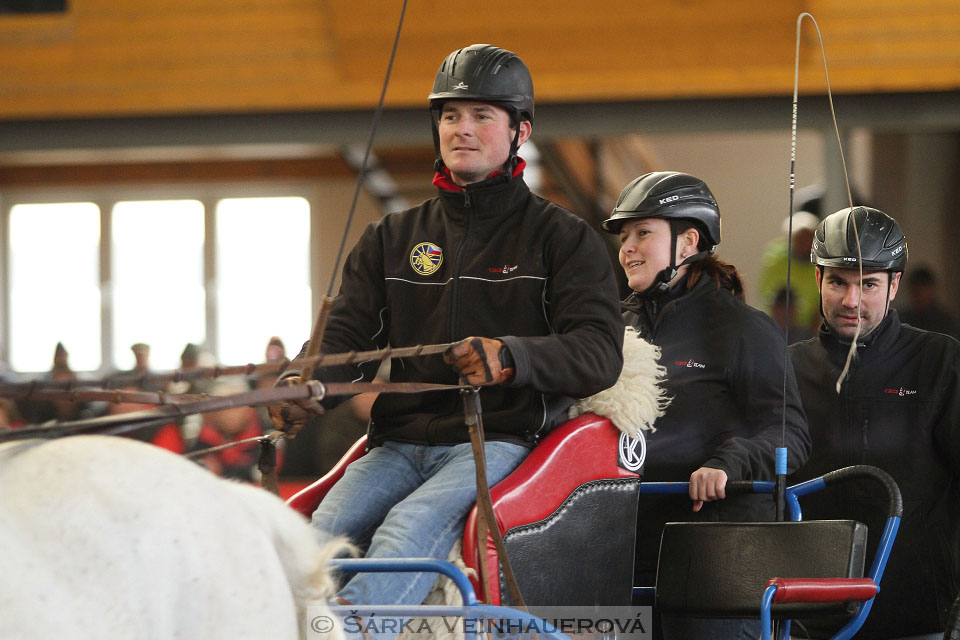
636, 400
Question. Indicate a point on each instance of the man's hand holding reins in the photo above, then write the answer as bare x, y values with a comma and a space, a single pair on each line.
481, 361
290, 417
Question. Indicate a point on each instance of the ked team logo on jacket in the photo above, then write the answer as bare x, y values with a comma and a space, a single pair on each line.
426, 258
900, 392
505, 269
690, 364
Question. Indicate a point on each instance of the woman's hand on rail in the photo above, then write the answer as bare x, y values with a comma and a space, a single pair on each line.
707, 484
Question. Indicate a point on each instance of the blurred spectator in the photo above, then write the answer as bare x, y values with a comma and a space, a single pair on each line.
9, 411
61, 364
44, 411
6, 373
231, 425
141, 353
276, 354
805, 296
923, 310
810, 198
195, 357
167, 436
141, 367
778, 312
9, 415
190, 361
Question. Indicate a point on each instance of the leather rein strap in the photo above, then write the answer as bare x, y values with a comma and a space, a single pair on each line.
486, 519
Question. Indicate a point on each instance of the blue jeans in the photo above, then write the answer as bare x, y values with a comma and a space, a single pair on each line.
410, 501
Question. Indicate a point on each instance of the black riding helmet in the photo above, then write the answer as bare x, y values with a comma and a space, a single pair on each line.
883, 246
677, 198
484, 73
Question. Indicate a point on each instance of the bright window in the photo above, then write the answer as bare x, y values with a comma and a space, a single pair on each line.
263, 276
157, 273
54, 285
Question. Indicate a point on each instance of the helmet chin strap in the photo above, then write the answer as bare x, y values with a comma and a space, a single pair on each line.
514, 148
886, 308
661, 283
437, 159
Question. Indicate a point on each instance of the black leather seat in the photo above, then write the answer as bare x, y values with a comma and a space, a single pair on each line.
720, 569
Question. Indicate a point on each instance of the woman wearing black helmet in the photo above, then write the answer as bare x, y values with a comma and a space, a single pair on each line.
725, 367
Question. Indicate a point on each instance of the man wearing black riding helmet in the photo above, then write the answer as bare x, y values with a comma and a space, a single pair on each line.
513, 279
898, 408
725, 372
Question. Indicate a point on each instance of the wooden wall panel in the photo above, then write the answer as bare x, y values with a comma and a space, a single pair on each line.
137, 57
890, 45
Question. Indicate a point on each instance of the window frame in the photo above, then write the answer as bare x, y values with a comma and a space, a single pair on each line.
105, 196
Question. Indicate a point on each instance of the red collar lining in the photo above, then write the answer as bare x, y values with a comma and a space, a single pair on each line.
443, 180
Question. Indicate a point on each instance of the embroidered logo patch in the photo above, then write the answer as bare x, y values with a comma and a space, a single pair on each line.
505, 269
901, 392
690, 364
426, 258
632, 453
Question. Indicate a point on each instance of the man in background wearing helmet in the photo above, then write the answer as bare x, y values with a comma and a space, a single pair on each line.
725, 373
898, 409
516, 281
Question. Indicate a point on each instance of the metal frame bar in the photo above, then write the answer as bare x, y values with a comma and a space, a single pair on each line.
889, 111
793, 494
471, 609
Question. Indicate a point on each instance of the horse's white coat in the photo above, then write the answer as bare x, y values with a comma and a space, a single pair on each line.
107, 537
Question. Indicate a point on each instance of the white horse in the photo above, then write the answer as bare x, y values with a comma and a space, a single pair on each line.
107, 537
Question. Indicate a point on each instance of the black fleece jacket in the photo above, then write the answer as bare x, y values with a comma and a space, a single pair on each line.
491, 260
725, 366
898, 409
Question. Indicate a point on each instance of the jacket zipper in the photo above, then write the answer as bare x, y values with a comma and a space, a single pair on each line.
865, 440
455, 295
658, 316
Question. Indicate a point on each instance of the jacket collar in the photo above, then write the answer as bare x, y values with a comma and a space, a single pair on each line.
884, 335
679, 290
443, 180
649, 307
494, 197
